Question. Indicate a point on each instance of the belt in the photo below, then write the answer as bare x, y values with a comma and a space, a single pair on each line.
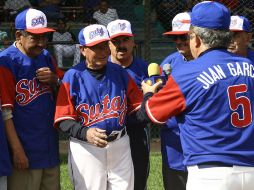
115, 135
213, 164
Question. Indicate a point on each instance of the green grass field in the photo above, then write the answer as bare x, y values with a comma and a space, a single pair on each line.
154, 180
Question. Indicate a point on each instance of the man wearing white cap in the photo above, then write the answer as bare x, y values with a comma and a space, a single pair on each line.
92, 104
121, 45
173, 170
212, 99
29, 78
241, 29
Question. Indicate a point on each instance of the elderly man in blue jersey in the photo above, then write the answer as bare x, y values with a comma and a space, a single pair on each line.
121, 45
212, 98
28, 82
173, 171
241, 30
93, 102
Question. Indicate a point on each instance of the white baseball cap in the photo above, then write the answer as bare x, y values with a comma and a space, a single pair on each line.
119, 28
239, 23
180, 24
33, 21
93, 34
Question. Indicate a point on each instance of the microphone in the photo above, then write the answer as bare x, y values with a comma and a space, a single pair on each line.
154, 75
167, 70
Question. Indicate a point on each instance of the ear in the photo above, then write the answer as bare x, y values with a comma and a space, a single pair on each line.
18, 35
83, 50
197, 41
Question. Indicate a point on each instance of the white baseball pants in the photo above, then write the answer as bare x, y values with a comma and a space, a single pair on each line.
3, 183
220, 178
94, 168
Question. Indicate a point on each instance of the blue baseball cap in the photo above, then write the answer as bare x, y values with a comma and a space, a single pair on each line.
239, 23
93, 34
33, 21
210, 14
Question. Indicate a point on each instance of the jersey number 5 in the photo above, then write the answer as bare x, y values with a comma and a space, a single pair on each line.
235, 101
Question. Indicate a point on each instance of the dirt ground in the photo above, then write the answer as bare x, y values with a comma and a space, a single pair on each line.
155, 146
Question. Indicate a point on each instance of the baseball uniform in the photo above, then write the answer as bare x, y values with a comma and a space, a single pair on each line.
102, 104
212, 100
33, 106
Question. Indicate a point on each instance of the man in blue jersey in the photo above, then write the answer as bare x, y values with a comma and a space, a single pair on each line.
29, 77
212, 98
93, 102
121, 45
173, 171
241, 30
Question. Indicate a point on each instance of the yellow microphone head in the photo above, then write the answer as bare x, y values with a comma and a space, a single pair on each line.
153, 69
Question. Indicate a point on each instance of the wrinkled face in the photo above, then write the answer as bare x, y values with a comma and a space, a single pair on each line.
122, 47
182, 44
31, 44
239, 43
97, 55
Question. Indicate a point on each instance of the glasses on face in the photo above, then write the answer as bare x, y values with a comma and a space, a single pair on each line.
183, 37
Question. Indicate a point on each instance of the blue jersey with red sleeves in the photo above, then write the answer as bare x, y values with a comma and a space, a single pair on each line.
33, 105
5, 162
97, 103
250, 55
213, 100
171, 148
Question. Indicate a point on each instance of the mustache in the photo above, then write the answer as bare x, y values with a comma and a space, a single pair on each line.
122, 49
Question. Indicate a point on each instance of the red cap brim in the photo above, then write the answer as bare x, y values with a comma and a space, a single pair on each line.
121, 34
96, 42
176, 32
40, 30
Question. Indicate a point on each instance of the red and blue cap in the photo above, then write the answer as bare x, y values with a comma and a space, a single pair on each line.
211, 15
92, 35
33, 21
240, 23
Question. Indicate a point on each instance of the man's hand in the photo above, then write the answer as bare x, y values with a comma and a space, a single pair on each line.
147, 88
46, 76
96, 137
20, 160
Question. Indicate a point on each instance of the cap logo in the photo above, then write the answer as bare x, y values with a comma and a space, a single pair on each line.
37, 21
117, 27
96, 32
178, 24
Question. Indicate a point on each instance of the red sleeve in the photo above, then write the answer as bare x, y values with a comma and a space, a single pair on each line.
59, 72
168, 102
7, 87
134, 96
64, 105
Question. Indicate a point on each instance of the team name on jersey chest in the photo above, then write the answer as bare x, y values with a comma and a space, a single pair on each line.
28, 90
108, 109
